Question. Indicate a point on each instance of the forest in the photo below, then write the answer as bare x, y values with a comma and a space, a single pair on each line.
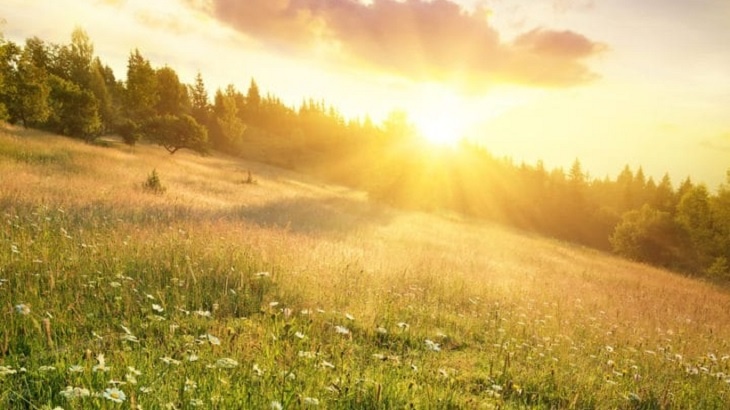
67, 89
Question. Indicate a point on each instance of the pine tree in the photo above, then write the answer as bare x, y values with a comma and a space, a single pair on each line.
141, 96
200, 106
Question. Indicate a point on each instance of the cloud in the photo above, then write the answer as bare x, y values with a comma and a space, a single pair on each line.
718, 143
423, 40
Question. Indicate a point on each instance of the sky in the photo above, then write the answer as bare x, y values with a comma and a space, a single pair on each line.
609, 82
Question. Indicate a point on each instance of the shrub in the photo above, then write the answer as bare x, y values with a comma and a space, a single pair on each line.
153, 183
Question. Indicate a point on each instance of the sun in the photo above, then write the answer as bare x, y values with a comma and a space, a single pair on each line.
441, 130
439, 115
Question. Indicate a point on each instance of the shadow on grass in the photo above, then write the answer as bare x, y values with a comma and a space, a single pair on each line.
306, 215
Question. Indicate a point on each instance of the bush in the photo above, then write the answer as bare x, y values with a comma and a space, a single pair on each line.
153, 183
648, 235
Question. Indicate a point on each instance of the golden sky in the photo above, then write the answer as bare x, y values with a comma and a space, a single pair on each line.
611, 82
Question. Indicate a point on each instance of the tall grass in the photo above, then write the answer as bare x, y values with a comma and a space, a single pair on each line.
292, 294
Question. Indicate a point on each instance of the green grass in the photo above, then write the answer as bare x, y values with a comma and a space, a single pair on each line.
215, 294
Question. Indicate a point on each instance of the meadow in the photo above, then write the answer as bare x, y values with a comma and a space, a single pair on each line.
284, 292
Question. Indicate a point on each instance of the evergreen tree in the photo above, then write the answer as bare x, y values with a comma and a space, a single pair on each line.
229, 127
200, 105
141, 93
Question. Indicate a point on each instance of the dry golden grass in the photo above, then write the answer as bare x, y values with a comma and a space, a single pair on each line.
517, 308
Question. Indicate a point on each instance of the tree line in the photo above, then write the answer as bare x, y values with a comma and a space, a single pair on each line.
67, 89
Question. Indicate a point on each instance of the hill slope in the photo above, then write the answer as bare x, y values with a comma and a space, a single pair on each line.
292, 292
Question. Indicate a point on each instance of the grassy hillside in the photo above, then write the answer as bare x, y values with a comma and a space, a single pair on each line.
288, 293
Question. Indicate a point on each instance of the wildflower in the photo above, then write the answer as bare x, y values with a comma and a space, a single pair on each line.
170, 360
349, 316
193, 357
443, 372
6, 370
226, 363
145, 390
275, 405
14, 248
299, 335
23, 309
256, 369
609, 349
325, 363
76, 369
381, 330
190, 385
133, 371
115, 395
433, 346
130, 378
310, 401
342, 330
46, 368
74, 392
380, 356
157, 308
273, 304
130, 338
203, 313
262, 274
115, 284
403, 325
414, 367
213, 340
148, 296
101, 366
307, 355
196, 403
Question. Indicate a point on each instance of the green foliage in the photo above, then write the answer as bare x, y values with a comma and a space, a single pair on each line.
719, 270
172, 96
129, 130
175, 133
74, 110
153, 184
24, 92
140, 97
647, 235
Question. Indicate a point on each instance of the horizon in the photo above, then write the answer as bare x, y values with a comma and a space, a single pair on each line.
646, 93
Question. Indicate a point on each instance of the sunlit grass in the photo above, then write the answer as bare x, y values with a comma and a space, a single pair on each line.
289, 293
